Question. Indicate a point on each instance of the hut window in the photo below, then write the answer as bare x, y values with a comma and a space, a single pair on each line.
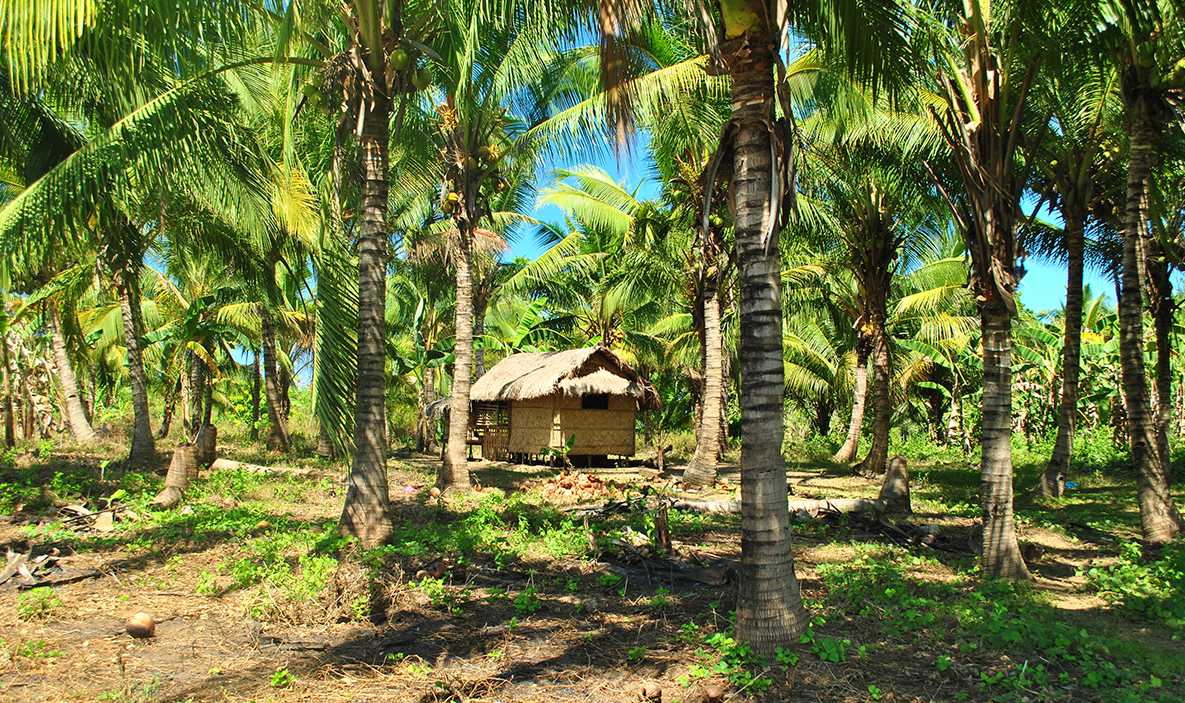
594, 401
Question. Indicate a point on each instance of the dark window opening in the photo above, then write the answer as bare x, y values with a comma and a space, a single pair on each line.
595, 401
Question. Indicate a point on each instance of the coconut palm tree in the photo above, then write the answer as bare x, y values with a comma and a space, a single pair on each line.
987, 61
1163, 256
748, 42
883, 216
1147, 38
1076, 149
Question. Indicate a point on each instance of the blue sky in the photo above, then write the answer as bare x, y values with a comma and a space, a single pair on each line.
1043, 289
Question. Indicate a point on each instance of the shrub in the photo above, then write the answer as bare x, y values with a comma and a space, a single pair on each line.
1154, 589
37, 603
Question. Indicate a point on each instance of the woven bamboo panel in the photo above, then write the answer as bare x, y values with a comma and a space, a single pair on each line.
530, 425
548, 422
608, 431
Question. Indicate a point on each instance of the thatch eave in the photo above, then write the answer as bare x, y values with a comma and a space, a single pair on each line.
574, 372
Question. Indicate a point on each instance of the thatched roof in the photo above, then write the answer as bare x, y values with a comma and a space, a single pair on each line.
572, 372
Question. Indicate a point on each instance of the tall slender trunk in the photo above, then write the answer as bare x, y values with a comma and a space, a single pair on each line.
1163, 317
824, 411
1001, 550
170, 409
143, 448
277, 437
702, 469
769, 605
425, 426
285, 396
256, 382
91, 398
454, 471
1053, 480
365, 513
9, 410
1159, 519
27, 413
80, 427
725, 377
856, 422
479, 330
194, 405
1163, 308
208, 398
882, 404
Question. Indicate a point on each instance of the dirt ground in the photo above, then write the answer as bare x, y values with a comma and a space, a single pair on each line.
586, 646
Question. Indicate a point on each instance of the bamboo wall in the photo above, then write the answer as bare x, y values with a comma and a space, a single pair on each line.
549, 421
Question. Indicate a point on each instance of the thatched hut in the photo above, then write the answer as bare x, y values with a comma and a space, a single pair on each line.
531, 402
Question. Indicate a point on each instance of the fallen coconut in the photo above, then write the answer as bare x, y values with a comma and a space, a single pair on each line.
141, 625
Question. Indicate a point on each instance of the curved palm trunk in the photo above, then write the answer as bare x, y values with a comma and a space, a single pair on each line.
702, 469
143, 448
365, 514
1001, 550
80, 426
277, 437
769, 604
856, 423
454, 471
882, 406
1159, 519
1053, 480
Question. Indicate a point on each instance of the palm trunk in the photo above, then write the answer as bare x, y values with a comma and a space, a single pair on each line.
454, 471
882, 405
848, 451
479, 330
1159, 519
166, 420
285, 397
194, 406
702, 469
725, 377
1164, 384
143, 448
277, 437
80, 427
1054, 479
256, 382
425, 427
1160, 291
365, 514
9, 410
1001, 550
208, 399
325, 448
27, 414
769, 606
824, 410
